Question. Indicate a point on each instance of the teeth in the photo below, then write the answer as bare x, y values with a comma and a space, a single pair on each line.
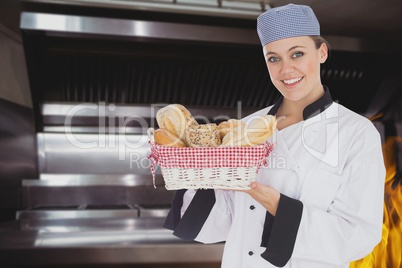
292, 81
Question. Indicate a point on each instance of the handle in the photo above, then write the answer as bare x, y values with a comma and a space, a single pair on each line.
151, 132
152, 157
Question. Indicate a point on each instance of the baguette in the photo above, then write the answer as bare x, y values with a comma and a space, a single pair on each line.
228, 126
164, 137
256, 132
261, 128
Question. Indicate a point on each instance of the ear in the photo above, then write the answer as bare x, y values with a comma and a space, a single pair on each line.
323, 52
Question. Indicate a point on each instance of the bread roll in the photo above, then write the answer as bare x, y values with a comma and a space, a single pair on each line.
164, 137
205, 135
175, 118
258, 130
228, 126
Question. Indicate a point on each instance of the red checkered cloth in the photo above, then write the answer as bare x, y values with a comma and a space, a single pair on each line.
209, 157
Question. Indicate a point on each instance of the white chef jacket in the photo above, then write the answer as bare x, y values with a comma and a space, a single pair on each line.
330, 172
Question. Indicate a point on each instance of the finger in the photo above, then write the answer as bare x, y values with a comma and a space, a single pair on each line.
254, 185
259, 191
259, 188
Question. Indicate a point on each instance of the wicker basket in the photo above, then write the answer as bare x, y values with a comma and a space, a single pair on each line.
208, 167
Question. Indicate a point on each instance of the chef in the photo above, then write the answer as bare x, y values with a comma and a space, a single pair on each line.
319, 203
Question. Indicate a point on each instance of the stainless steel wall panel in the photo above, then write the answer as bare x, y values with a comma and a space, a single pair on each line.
58, 197
74, 153
59, 25
17, 157
76, 214
247, 9
50, 180
110, 248
118, 240
121, 118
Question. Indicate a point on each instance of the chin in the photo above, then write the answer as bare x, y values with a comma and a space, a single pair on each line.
293, 96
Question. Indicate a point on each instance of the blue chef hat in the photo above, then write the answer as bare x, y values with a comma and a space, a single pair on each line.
287, 21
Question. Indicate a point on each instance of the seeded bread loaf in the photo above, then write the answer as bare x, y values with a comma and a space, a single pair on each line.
205, 135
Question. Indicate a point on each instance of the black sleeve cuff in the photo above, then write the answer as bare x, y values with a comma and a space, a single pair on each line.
173, 217
189, 226
279, 235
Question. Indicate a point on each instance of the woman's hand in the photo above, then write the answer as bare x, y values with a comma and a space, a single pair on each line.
267, 196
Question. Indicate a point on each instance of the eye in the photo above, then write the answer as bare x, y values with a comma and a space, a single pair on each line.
273, 59
297, 54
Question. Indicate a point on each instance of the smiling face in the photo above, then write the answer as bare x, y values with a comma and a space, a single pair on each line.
294, 67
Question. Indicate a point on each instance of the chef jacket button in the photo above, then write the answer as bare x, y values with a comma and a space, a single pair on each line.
252, 207
250, 253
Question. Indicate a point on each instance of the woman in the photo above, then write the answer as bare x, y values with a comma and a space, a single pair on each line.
320, 202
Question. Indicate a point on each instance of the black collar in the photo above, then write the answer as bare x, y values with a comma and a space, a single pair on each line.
312, 109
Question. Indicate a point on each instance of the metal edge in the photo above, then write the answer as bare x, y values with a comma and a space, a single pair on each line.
76, 214
106, 130
228, 12
58, 180
57, 24
41, 152
185, 252
186, 32
149, 111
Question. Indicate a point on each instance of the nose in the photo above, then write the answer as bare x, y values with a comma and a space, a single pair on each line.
287, 67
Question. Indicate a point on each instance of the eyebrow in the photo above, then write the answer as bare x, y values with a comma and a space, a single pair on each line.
290, 49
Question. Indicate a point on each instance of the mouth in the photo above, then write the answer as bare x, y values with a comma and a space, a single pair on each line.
292, 81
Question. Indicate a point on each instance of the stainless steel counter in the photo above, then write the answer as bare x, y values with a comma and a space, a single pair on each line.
97, 237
